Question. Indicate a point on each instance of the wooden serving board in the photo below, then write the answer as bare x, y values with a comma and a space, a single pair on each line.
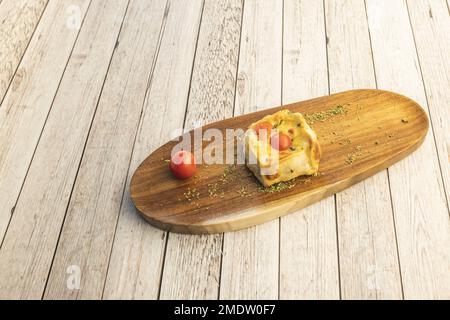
377, 129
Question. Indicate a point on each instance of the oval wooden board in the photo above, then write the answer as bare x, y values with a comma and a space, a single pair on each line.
378, 129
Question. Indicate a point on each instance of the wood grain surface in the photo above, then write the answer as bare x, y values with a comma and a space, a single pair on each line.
368, 256
309, 261
210, 99
254, 274
18, 21
138, 254
117, 115
26, 105
377, 129
61, 145
421, 217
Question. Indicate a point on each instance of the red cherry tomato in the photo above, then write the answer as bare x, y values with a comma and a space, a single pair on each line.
281, 141
183, 165
263, 126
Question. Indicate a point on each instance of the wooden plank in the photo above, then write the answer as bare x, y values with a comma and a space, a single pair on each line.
138, 250
18, 20
367, 244
89, 227
420, 210
27, 103
32, 236
192, 264
308, 248
431, 24
250, 257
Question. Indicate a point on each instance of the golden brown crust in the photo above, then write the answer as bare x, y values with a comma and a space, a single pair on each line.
316, 152
301, 159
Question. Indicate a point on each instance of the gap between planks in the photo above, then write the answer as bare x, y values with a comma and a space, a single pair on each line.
40, 250
54, 94
21, 38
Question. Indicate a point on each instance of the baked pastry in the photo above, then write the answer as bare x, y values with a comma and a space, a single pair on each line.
281, 147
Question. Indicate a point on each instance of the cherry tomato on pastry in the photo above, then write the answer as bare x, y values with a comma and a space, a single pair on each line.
183, 165
281, 141
263, 126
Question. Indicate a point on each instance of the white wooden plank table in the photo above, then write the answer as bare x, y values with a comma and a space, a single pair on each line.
89, 88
